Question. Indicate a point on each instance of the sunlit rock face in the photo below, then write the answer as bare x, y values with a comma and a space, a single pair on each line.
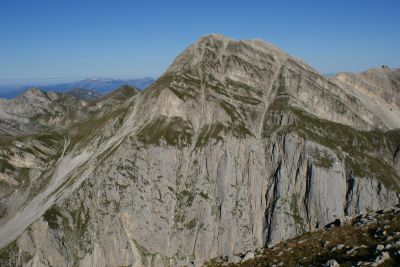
235, 146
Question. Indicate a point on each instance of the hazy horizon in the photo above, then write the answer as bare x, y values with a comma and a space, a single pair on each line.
20, 85
53, 42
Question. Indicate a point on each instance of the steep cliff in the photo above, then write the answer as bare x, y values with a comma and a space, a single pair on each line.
237, 145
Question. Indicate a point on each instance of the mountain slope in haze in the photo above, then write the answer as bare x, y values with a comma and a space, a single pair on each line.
37, 111
101, 86
84, 94
236, 146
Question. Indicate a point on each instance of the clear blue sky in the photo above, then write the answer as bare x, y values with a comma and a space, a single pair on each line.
69, 39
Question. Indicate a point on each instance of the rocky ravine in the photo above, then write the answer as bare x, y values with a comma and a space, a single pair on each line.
238, 145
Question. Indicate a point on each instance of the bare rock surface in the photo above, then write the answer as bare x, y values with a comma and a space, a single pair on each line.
378, 90
236, 146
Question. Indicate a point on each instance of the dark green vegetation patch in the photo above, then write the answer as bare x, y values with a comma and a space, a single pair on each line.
174, 131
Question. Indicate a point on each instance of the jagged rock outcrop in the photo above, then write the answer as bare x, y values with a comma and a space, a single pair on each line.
36, 111
236, 146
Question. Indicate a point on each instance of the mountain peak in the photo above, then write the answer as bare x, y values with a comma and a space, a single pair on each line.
217, 49
33, 92
217, 36
243, 69
255, 43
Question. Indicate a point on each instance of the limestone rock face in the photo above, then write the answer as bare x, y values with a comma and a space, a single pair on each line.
378, 90
237, 145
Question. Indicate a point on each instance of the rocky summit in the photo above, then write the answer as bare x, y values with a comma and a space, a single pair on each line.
236, 147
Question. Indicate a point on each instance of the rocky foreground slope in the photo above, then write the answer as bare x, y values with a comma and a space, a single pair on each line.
236, 146
369, 239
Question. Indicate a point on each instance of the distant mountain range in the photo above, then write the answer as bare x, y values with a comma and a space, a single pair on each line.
100, 85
